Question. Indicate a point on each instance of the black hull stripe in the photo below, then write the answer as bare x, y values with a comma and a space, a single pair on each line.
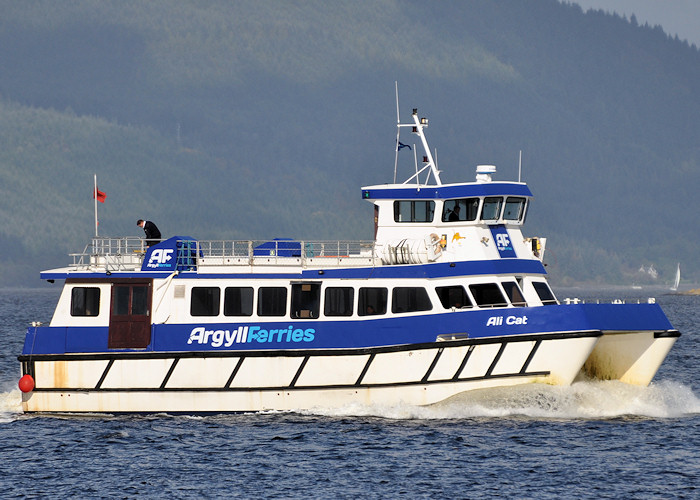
496, 358
234, 372
170, 372
464, 362
433, 364
364, 370
530, 356
104, 373
298, 373
290, 389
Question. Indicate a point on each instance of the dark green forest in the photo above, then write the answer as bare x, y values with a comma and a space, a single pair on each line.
262, 119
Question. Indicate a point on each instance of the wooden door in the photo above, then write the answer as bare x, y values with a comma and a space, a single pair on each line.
130, 317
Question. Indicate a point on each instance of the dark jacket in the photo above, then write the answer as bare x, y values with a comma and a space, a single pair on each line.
152, 233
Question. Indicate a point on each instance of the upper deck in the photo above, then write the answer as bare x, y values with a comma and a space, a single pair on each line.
474, 224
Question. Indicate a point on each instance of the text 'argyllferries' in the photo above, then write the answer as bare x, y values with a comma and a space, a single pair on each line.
243, 334
449, 297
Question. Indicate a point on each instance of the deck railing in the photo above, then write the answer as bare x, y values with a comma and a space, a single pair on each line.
124, 254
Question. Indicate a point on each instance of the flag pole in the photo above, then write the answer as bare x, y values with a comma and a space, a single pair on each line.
94, 195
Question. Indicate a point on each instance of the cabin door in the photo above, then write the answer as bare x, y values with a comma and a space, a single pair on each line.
130, 318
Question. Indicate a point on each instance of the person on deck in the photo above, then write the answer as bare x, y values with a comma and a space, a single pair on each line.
151, 230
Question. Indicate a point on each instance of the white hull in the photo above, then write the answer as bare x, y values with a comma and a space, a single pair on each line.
303, 381
631, 357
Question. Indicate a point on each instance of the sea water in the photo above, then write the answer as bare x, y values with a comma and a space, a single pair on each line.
590, 440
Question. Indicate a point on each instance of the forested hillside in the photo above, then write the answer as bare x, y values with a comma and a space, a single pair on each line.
257, 119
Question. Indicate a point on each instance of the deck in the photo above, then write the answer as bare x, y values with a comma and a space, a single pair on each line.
127, 254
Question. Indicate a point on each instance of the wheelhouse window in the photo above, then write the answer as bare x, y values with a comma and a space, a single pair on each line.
515, 295
462, 209
488, 295
205, 301
453, 296
372, 301
238, 301
85, 301
338, 301
544, 293
514, 208
492, 208
414, 211
272, 301
409, 299
306, 300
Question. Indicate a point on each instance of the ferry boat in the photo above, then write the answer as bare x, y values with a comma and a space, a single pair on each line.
448, 297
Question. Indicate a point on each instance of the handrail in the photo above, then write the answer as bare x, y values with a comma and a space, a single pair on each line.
127, 253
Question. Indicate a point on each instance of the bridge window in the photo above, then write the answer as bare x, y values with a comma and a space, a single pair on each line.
372, 301
85, 301
205, 301
414, 211
462, 209
544, 293
409, 299
488, 295
238, 301
272, 301
453, 296
514, 293
306, 300
338, 301
514, 209
492, 208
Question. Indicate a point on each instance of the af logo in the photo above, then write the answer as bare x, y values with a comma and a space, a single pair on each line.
160, 257
503, 242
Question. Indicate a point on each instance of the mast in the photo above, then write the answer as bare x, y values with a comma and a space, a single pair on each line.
429, 163
94, 193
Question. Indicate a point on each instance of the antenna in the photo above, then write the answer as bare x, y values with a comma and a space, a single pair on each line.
520, 164
398, 130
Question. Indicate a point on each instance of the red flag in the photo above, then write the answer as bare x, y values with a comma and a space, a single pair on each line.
101, 196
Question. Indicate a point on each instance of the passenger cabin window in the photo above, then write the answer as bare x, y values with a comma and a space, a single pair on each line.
514, 293
372, 301
453, 296
205, 301
409, 299
463, 209
544, 293
85, 301
338, 301
514, 209
306, 300
488, 295
414, 211
272, 301
238, 301
492, 208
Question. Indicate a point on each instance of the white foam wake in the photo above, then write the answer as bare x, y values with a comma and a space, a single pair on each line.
582, 400
10, 405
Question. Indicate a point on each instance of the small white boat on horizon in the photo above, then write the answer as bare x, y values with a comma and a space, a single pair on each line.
677, 280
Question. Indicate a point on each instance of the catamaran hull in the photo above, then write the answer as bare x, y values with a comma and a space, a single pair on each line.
631, 357
295, 380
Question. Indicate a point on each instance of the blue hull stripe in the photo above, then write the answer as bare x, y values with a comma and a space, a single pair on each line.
244, 334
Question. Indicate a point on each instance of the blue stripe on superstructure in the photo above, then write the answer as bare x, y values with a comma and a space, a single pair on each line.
436, 270
295, 334
445, 192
